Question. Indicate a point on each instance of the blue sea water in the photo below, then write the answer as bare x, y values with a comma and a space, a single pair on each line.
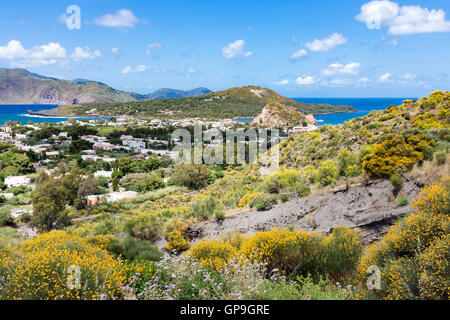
19, 113
363, 105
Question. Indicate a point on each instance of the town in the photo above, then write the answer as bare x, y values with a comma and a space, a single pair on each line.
100, 147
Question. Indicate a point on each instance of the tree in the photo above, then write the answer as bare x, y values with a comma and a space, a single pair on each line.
48, 207
126, 165
193, 176
80, 145
151, 164
149, 183
87, 186
116, 176
13, 163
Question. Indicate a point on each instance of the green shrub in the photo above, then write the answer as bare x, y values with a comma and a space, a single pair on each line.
302, 190
263, 202
402, 201
327, 172
284, 197
141, 249
441, 158
205, 209
109, 243
397, 182
5, 218
220, 214
191, 175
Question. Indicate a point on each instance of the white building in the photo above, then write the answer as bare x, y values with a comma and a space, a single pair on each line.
106, 174
18, 181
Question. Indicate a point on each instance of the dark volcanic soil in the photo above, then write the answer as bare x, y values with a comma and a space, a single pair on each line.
371, 207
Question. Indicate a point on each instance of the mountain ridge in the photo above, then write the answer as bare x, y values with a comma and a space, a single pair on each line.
20, 86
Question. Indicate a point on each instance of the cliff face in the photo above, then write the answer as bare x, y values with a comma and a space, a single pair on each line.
276, 115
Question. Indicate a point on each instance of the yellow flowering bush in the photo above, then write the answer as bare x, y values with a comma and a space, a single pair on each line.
245, 200
393, 154
177, 241
412, 256
292, 252
41, 270
435, 262
109, 243
213, 254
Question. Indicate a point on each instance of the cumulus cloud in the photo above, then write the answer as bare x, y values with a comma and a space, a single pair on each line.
115, 51
410, 77
326, 44
236, 49
340, 82
123, 18
46, 54
154, 45
350, 69
305, 80
85, 54
363, 80
385, 78
403, 20
281, 83
139, 69
299, 54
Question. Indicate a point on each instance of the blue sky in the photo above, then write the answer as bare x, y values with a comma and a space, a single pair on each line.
321, 48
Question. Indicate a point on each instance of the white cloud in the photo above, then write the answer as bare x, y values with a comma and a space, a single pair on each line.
123, 18
340, 82
350, 69
155, 45
127, 70
326, 44
410, 77
363, 80
385, 78
139, 69
299, 54
281, 83
235, 49
84, 54
46, 54
305, 80
392, 43
404, 20
115, 51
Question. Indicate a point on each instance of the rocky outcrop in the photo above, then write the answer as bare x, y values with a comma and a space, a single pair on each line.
277, 115
371, 207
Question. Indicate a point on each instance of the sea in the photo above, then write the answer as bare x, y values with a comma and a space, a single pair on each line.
363, 105
18, 113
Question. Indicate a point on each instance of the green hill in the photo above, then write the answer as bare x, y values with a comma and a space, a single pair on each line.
232, 103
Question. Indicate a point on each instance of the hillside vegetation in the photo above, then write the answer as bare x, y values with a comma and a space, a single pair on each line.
282, 263
383, 142
235, 102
